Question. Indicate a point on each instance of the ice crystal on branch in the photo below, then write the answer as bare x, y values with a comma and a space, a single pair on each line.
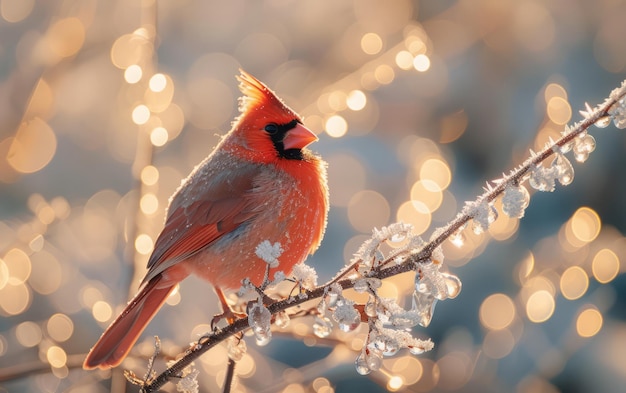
305, 275
515, 200
346, 316
236, 348
269, 252
564, 169
618, 113
259, 319
543, 179
484, 215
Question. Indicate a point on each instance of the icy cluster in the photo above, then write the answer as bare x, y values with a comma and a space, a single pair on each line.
618, 114
389, 323
260, 320
370, 255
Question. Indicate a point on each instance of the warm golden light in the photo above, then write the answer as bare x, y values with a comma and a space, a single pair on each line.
419, 218
28, 334
404, 60
605, 265
497, 311
540, 306
437, 171
149, 175
14, 11
144, 244
395, 383
427, 194
356, 100
101, 311
56, 356
33, 146
498, 343
15, 298
60, 327
371, 43
66, 36
585, 224
384, 74
574, 283
149, 203
554, 90
159, 136
589, 322
157, 82
421, 63
559, 110
141, 114
133, 74
336, 126
368, 209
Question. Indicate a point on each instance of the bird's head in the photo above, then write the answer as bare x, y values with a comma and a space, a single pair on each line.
267, 129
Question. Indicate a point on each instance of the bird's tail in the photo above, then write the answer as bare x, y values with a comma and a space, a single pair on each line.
117, 340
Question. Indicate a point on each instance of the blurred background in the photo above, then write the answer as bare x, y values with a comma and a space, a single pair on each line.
106, 105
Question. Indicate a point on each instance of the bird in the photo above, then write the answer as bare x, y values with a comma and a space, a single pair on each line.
260, 183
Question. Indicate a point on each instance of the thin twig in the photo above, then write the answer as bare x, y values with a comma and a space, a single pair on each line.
230, 374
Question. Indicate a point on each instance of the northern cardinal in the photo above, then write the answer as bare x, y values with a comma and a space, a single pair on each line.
259, 183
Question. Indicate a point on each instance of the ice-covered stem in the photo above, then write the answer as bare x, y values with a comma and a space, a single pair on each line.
614, 108
599, 115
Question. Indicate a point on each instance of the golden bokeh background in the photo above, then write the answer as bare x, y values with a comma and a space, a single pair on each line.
106, 105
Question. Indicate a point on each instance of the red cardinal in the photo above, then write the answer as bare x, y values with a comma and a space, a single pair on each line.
259, 183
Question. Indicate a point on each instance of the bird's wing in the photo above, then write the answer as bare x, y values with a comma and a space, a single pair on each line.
195, 224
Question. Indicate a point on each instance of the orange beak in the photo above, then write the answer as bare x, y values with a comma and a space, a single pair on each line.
299, 137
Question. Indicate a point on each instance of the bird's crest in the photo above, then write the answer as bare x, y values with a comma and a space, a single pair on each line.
257, 96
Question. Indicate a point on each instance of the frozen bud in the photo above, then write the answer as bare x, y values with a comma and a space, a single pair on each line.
360, 285
603, 122
236, 348
259, 319
618, 112
361, 364
424, 306
515, 200
484, 216
458, 238
262, 339
429, 280
322, 327
564, 169
305, 275
347, 317
542, 179
406, 319
282, 319
583, 145
374, 360
416, 350
370, 307
453, 285
384, 345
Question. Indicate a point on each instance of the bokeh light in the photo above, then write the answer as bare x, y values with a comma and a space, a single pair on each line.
589, 322
497, 311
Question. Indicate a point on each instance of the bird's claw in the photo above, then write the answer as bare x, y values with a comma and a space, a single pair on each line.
228, 315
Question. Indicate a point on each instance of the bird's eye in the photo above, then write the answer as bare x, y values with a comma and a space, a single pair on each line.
271, 128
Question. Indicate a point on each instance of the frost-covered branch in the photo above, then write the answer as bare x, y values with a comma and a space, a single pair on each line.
394, 250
